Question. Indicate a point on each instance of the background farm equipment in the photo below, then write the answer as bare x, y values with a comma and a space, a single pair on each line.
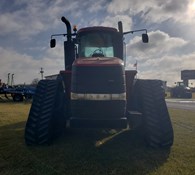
18, 94
180, 91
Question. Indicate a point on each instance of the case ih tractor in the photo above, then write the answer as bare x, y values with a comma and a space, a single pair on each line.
95, 91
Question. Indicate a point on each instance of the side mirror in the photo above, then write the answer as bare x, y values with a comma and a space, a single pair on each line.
52, 43
145, 38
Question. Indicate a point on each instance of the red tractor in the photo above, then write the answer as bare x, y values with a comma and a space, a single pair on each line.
95, 91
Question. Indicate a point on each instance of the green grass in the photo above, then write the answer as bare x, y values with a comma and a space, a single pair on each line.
193, 95
93, 152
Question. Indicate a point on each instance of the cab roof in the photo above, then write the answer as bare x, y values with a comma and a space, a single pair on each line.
97, 28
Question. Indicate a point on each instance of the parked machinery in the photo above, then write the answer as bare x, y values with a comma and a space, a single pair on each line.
95, 91
180, 91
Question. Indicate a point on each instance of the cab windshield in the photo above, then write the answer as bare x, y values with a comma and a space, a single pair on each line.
96, 44
180, 84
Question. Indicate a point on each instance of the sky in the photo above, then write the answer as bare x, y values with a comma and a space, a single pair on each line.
26, 27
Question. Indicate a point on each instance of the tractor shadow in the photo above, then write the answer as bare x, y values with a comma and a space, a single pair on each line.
114, 152
87, 150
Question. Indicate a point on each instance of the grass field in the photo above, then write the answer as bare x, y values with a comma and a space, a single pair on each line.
94, 152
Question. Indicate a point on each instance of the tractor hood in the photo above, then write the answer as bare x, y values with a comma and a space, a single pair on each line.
98, 61
98, 75
98, 88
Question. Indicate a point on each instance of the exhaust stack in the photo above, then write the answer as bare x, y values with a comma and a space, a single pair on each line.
68, 26
120, 27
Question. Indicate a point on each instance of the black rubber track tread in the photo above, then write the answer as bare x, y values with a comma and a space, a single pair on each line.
157, 125
40, 126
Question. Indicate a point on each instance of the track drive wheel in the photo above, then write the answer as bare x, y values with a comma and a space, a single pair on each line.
47, 114
157, 128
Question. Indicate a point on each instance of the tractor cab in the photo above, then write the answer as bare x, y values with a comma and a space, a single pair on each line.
99, 42
180, 84
94, 41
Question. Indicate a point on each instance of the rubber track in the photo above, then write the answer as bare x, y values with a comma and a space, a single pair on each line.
157, 124
39, 126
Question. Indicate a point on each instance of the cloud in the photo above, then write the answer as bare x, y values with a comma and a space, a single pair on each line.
153, 11
175, 10
159, 59
96, 6
160, 44
33, 17
26, 27
25, 68
167, 68
112, 21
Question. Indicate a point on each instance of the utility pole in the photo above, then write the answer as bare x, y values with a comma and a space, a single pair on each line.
8, 78
12, 80
41, 72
